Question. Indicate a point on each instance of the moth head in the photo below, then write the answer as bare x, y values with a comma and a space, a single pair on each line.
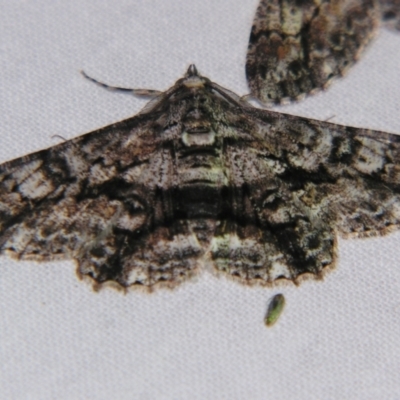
193, 79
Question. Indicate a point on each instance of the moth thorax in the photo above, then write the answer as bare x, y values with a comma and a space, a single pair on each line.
194, 82
198, 138
197, 129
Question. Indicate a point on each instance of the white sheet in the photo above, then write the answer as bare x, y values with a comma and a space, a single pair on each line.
337, 339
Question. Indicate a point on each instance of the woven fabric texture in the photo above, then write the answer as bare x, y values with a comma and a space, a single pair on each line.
337, 339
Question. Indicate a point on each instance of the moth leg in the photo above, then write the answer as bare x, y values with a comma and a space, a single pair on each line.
247, 98
149, 93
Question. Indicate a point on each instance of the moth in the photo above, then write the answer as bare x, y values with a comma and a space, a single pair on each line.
298, 48
200, 179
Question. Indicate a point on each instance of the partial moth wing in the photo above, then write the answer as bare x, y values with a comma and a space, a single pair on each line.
390, 10
96, 199
349, 177
297, 48
269, 232
305, 182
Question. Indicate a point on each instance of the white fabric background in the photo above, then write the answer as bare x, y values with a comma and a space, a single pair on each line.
337, 339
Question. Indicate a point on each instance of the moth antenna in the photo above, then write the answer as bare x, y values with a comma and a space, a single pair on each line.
59, 137
136, 92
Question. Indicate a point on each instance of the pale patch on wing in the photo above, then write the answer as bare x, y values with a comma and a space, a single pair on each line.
36, 186
279, 270
22, 173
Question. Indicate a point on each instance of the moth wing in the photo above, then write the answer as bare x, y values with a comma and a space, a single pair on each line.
298, 48
390, 11
94, 199
349, 176
305, 182
269, 235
